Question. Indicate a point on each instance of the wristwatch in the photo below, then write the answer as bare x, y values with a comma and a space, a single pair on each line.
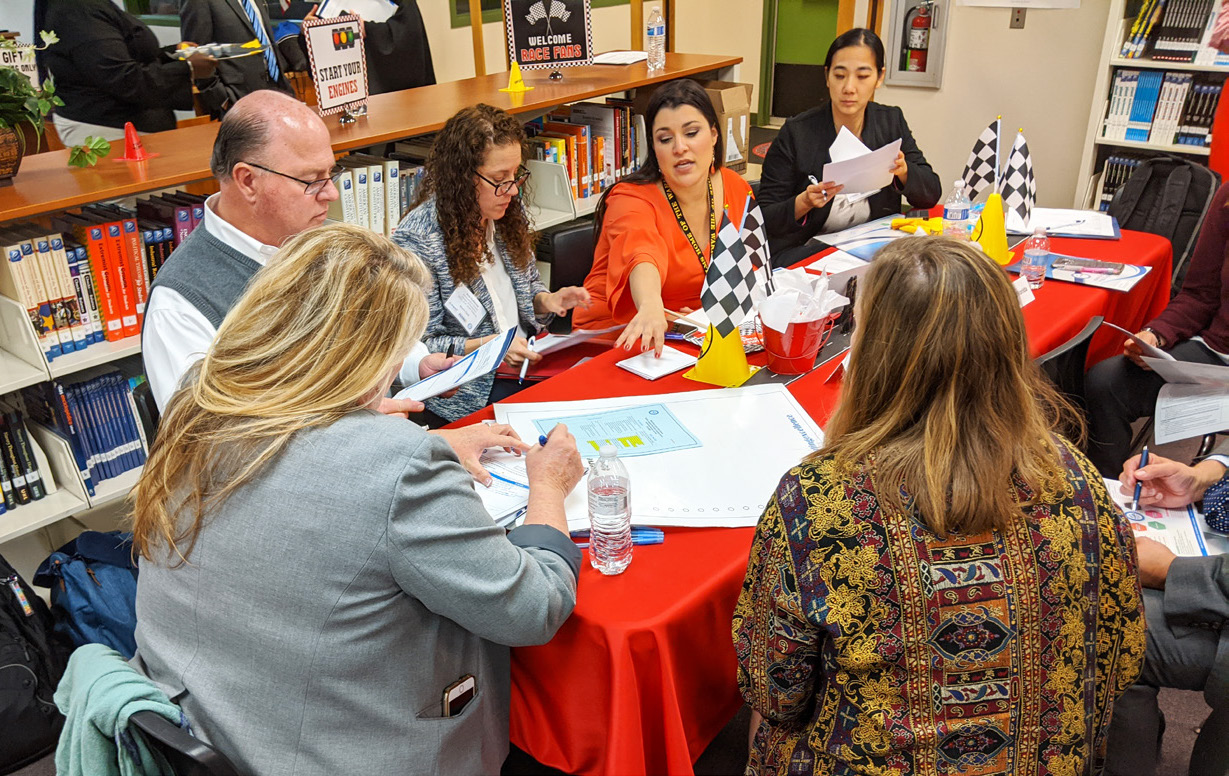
1160, 341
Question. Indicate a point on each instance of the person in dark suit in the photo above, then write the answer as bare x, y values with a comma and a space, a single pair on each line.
1186, 601
795, 208
398, 52
230, 21
110, 69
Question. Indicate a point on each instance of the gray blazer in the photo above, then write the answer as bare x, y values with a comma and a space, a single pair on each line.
225, 21
420, 232
331, 600
1197, 597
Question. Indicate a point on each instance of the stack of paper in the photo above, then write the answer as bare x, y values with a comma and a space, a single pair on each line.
1194, 400
861, 170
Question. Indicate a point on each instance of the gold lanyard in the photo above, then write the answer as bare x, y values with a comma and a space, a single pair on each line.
712, 222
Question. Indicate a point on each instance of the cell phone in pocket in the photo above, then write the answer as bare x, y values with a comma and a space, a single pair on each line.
458, 695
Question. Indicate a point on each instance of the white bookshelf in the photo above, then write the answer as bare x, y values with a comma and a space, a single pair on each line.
95, 355
1116, 30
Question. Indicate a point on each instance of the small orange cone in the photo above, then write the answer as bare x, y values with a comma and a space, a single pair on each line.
134, 149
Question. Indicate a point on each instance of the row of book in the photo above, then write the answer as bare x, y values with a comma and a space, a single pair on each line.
1174, 31
21, 480
374, 191
85, 278
599, 143
1159, 107
1118, 168
98, 417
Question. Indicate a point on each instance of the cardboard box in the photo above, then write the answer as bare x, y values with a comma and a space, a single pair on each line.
732, 101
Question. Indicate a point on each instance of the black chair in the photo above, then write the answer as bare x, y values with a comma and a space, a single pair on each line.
1064, 365
188, 756
568, 249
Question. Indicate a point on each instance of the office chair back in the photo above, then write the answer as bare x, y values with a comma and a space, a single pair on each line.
188, 756
1064, 365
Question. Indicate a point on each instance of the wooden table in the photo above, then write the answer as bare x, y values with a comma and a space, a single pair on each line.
47, 184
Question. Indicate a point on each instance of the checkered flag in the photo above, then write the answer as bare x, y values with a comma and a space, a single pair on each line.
983, 165
726, 295
1019, 185
756, 241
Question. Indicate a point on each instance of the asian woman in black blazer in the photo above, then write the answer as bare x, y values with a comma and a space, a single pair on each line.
797, 209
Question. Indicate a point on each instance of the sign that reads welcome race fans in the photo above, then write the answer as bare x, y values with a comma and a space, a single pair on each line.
339, 69
548, 33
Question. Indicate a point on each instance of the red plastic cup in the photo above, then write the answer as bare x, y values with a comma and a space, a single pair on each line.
793, 351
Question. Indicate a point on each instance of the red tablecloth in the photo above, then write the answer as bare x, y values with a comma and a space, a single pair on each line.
642, 676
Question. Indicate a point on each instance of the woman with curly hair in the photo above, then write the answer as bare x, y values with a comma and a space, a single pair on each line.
470, 227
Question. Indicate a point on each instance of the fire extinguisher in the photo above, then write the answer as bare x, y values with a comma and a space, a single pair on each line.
917, 37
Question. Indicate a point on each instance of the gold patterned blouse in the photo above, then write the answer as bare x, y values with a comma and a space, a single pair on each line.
871, 646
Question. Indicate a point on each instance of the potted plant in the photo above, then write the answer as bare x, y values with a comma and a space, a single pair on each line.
21, 102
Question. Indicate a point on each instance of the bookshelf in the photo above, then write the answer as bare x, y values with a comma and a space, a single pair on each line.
46, 185
1097, 148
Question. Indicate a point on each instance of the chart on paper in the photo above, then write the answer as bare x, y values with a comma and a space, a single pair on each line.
645, 430
1184, 531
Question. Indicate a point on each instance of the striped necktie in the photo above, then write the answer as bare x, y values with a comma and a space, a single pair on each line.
249, 7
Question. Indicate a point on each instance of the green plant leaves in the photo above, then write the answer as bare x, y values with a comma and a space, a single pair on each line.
89, 152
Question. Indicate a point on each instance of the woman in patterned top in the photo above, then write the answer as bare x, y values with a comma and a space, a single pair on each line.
945, 587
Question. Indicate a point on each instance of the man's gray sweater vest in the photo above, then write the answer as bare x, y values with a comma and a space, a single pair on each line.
208, 273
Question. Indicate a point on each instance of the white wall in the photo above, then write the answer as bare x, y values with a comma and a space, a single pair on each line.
1039, 78
18, 15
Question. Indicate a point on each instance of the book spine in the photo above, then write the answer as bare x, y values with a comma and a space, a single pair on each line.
25, 454
56, 302
77, 327
135, 266
28, 296
69, 428
7, 492
8, 449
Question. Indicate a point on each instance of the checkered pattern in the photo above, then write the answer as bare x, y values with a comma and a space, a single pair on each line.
726, 295
756, 242
983, 164
1019, 185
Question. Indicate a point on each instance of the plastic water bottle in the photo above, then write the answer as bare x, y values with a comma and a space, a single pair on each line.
1036, 254
610, 513
657, 40
957, 214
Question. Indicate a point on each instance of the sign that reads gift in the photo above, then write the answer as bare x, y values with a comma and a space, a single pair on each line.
339, 69
549, 33
21, 59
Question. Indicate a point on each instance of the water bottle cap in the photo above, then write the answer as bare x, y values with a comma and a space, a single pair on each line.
1039, 231
608, 451
959, 182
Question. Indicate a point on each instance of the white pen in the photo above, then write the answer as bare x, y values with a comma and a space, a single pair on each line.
525, 365
811, 178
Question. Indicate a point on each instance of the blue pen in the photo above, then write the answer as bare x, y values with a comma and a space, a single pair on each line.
1143, 461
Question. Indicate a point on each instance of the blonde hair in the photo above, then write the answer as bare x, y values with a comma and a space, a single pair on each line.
310, 341
942, 398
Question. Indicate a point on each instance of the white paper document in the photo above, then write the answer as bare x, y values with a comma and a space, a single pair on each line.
508, 494
748, 437
1182, 530
549, 343
650, 367
864, 174
367, 10
620, 57
1193, 402
1148, 350
1063, 222
476, 364
847, 146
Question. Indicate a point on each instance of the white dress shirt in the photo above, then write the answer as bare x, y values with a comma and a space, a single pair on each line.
499, 286
177, 335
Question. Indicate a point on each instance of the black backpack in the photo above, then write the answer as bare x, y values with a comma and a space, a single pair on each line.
1167, 196
32, 660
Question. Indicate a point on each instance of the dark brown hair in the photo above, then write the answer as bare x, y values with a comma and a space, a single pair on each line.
451, 178
941, 395
673, 94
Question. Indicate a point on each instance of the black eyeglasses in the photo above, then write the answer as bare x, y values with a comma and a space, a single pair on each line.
310, 188
503, 187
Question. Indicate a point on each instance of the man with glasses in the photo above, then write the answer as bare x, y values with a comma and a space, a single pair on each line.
276, 172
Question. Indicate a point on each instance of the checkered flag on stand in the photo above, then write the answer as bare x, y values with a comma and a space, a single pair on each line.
756, 241
1019, 185
726, 295
982, 169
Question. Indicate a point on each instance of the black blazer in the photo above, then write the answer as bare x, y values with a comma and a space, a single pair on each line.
801, 149
398, 54
109, 68
224, 21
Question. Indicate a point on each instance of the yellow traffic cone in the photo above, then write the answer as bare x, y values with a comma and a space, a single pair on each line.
516, 82
722, 361
991, 231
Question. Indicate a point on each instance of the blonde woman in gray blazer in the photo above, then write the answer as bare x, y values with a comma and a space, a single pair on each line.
314, 574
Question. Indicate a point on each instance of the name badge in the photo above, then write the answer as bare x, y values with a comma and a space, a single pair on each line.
466, 308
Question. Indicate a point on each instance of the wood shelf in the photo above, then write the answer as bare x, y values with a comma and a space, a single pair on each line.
1157, 64
1169, 149
47, 184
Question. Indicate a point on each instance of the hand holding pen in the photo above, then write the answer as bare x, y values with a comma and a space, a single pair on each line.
816, 195
525, 364
1143, 461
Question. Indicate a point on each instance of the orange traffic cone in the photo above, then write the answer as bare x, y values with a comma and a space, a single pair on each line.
134, 149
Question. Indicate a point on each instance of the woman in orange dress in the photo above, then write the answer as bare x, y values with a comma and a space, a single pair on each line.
658, 226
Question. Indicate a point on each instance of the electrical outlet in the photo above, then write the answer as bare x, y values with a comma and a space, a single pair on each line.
1017, 18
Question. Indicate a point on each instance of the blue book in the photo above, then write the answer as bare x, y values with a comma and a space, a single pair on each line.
118, 395
107, 403
82, 413
106, 444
